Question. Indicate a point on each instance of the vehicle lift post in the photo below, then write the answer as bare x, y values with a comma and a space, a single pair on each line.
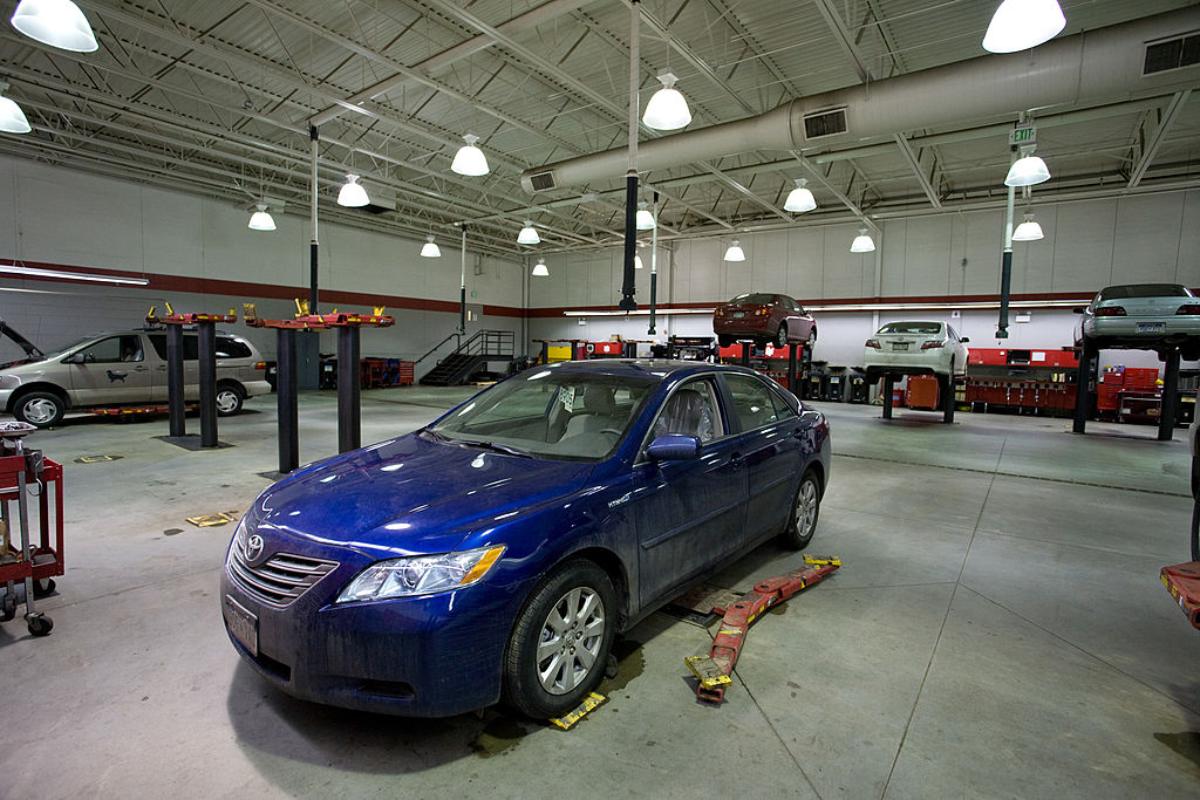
947, 384
206, 334
889, 389
1088, 356
176, 410
1170, 396
791, 370
746, 348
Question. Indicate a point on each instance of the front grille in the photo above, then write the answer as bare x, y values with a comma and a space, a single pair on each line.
279, 580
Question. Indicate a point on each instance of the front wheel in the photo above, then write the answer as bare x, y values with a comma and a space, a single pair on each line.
229, 400
43, 409
781, 336
806, 509
560, 644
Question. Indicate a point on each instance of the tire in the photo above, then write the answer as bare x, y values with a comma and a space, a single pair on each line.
230, 398
559, 690
40, 625
806, 510
43, 409
781, 335
812, 338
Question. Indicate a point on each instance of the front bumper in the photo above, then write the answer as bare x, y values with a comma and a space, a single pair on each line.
257, 388
432, 656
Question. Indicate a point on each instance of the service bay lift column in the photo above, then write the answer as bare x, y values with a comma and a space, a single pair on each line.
206, 334
1088, 377
946, 385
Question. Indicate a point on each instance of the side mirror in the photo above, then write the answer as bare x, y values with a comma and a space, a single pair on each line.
1077, 310
674, 447
76, 358
965, 339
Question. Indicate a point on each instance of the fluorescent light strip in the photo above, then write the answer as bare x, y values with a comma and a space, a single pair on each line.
984, 305
53, 274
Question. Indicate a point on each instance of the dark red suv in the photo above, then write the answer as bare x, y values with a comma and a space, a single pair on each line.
763, 318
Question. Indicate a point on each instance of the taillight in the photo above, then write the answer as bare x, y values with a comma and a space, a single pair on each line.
1110, 311
260, 365
762, 312
1188, 310
873, 343
932, 344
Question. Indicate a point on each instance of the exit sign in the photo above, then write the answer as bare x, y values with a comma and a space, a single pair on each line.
1022, 135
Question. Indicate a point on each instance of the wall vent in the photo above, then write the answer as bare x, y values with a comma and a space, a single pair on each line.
824, 123
542, 181
1175, 53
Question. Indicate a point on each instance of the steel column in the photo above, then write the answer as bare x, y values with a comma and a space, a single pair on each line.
889, 387
176, 408
791, 370
1170, 397
314, 244
285, 396
948, 400
746, 347
1083, 388
349, 390
206, 333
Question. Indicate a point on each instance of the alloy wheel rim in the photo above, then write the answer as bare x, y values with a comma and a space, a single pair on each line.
806, 508
781, 337
40, 411
570, 641
226, 401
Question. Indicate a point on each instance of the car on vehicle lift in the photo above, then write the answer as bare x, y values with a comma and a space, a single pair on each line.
125, 368
764, 319
1148, 316
916, 347
495, 553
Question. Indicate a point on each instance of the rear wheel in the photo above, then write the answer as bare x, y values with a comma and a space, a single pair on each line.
229, 399
43, 409
781, 335
806, 509
560, 643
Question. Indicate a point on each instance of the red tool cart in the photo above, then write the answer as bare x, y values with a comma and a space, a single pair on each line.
1040, 381
1129, 394
37, 557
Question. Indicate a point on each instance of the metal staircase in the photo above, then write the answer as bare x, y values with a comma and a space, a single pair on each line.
469, 357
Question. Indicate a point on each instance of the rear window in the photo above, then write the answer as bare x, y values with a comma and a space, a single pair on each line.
912, 327
1144, 290
753, 300
190, 346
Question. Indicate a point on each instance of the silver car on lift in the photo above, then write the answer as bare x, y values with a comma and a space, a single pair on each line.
1143, 316
126, 368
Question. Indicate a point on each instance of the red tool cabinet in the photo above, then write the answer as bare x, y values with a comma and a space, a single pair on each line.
46, 526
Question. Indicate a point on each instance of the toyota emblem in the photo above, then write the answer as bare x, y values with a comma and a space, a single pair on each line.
254, 547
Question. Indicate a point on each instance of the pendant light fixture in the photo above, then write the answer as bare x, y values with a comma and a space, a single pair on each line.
800, 199
58, 23
528, 234
735, 252
863, 243
261, 219
430, 248
645, 220
539, 269
470, 160
352, 194
1028, 170
667, 109
1022, 24
12, 118
1029, 230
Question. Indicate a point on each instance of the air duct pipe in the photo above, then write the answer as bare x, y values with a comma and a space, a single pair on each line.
1093, 67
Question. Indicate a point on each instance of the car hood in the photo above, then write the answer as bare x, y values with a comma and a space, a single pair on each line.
412, 495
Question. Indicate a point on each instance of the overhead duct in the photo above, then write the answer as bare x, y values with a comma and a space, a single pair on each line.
1107, 64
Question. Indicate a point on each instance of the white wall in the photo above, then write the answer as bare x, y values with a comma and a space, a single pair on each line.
62, 216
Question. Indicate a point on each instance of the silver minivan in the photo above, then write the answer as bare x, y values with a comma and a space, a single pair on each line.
126, 368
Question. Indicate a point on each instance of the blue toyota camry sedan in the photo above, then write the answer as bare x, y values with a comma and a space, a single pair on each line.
494, 554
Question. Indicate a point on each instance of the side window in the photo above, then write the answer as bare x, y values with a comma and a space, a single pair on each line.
692, 411
115, 350
752, 401
228, 347
783, 409
190, 345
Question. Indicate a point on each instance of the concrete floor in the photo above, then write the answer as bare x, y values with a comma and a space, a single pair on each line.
998, 630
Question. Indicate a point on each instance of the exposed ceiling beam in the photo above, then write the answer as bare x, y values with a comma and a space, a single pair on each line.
1169, 115
915, 164
844, 40
842, 197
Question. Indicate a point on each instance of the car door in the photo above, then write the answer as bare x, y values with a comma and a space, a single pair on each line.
689, 514
191, 368
768, 442
111, 371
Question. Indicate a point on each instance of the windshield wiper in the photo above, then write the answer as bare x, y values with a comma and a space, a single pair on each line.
496, 447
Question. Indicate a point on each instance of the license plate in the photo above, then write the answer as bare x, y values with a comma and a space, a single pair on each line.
899, 345
739, 314
242, 624
1151, 327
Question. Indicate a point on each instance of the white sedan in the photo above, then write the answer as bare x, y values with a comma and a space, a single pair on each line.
916, 348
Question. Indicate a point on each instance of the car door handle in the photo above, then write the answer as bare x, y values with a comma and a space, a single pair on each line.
141, 369
736, 460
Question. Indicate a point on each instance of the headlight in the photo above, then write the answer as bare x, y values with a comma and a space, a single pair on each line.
405, 577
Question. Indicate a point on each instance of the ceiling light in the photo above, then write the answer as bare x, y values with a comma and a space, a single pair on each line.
539, 269
58, 23
352, 195
470, 160
1028, 170
1022, 24
12, 118
1028, 231
430, 248
637, 261
53, 274
735, 252
667, 109
260, 220
863, 243
800, 199
645, 220
528, 234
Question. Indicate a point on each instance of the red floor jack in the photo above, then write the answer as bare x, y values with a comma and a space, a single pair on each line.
24, 474
713, 672
1183, 580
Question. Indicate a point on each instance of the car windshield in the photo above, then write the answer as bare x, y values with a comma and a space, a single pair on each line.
1144, 290
753, 300
927, 328
550, 413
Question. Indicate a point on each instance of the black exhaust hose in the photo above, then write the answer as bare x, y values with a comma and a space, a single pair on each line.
628, 287
1005, 293
654, 274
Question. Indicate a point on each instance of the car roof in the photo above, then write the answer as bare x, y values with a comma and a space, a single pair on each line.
644, 367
